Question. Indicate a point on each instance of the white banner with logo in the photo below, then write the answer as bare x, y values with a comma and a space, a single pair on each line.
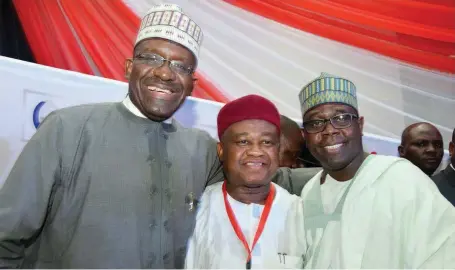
29, 92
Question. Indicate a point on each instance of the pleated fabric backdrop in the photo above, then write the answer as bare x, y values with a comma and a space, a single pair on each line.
92, 37
400, 54
418, 32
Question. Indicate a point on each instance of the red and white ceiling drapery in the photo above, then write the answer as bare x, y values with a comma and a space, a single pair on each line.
92, 37
373, 43
244, 53
420, 32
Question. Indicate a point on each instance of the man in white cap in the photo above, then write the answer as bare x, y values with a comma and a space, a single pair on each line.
115, 185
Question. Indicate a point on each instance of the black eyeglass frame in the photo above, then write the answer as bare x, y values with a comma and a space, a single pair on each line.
332, 122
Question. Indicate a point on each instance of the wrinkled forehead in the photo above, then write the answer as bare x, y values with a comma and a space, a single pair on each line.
328, 110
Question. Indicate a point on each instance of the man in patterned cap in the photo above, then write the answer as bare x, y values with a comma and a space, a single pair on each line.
366, 211
114, 185
247, 205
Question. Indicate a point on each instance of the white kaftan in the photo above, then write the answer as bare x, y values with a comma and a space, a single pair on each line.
391, 215
214, 243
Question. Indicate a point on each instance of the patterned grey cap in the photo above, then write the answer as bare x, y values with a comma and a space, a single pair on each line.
168, 21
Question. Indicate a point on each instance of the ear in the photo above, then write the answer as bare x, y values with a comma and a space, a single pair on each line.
452, 149
219, 151
361, 122
401, 151
195, 82
128, 67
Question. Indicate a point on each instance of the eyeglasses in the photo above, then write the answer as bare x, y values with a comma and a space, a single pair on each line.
155, 61
339, 121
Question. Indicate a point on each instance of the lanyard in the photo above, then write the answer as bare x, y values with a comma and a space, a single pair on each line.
262, 221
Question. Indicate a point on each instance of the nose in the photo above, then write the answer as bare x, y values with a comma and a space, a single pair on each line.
432, 148
255, 150
164, 72
329, 129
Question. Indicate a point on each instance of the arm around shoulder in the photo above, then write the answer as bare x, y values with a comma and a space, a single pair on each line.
293, 180
213, 164
27, 191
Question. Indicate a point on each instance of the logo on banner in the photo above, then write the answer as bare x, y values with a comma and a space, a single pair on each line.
37, 105
41, 110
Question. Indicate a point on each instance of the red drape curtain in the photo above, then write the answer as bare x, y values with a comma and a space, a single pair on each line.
420, 32
49, 36
106, 29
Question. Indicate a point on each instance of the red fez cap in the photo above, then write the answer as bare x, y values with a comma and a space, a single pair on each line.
245, 108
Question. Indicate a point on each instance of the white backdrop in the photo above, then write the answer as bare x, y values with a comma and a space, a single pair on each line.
28, 92
244, 53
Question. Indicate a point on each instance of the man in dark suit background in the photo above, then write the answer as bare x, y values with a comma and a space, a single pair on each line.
445, 180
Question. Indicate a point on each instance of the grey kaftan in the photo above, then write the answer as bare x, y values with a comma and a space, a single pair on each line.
98, 187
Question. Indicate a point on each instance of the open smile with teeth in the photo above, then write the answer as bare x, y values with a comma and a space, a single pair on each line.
333, 147
254, 164
159, 90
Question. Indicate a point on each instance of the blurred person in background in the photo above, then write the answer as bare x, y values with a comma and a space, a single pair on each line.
445, 180
291, 142
421, 143
294, 155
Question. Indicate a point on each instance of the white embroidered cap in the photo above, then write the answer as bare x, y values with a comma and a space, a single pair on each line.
168, 21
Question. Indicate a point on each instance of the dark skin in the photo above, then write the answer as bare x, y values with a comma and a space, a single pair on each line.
343, 162
249, 153
159, 106
422, 144
291, 143
452, 149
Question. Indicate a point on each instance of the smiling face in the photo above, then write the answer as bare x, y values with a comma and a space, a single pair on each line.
158, 91
249, 152
334, 148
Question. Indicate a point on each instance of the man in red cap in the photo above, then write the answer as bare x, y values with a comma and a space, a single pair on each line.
241, 222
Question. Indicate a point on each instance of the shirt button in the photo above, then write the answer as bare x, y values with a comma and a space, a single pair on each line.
151, 260
152, 225
166, 225
153, 190
168, 163
168, 193
166, 258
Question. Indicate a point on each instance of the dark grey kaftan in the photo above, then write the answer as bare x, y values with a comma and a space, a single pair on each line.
98, 187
